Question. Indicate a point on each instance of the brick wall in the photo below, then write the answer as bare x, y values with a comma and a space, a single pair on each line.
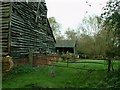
37, 60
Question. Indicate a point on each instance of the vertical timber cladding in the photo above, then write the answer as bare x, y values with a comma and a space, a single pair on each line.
5, 7
30, 29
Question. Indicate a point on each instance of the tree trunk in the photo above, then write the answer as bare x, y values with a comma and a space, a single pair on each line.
112, 66
109, 65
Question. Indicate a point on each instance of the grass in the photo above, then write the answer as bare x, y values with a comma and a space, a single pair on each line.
90, 64
63, 77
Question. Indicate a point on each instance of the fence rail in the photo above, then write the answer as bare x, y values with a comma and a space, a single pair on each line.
89, 65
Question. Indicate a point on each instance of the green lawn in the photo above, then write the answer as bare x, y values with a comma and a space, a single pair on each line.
63, 77
90, 64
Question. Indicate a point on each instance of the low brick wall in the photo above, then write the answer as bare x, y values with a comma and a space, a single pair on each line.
40, 60
37, 60
21, 61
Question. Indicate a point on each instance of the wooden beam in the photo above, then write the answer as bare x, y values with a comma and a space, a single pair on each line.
9, 33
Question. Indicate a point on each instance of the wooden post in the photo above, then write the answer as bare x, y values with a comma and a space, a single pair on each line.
67, 62
109, 65
10, 30
67, 58
74, 50
37, 12
31, 56
112, 66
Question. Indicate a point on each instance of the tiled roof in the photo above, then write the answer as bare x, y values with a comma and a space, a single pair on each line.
65, 43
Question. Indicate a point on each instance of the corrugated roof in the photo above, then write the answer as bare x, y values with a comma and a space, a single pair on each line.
65, 43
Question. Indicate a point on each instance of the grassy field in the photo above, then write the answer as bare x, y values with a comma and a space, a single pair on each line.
90, 64
75, 75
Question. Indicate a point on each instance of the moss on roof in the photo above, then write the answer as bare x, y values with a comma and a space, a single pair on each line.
65, 43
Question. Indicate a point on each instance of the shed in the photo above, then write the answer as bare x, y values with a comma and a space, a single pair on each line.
66, 45
25, 26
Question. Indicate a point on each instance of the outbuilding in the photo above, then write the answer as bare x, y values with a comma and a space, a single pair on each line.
63, 46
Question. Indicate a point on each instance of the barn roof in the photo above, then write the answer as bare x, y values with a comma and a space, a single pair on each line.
65, 43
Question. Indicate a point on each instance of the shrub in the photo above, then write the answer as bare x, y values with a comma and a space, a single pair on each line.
112, 79
71, 57
24, 68
18, 69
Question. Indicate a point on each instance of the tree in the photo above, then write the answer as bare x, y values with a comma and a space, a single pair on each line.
59, 36
55, 26
111, 23
111, 17
86, 46
87, 43
103, 41
89, 25
71, 34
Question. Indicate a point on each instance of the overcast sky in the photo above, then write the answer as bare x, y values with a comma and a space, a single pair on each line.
70, 13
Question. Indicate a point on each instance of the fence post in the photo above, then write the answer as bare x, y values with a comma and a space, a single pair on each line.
109, 65
67, 62
31, 56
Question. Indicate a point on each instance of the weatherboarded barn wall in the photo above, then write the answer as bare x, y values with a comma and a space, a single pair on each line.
25, 27
5, 25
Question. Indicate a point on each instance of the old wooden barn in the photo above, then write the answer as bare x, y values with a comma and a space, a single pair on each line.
25, 28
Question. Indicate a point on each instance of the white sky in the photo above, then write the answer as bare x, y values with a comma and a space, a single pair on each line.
70, 13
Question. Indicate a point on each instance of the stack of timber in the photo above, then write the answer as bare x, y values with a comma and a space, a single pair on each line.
25, 26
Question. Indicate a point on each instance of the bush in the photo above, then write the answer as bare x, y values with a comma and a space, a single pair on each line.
24, 68
69, 56
112, 79
17, 70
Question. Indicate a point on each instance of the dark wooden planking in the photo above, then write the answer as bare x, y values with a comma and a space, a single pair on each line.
5, 16
25, 32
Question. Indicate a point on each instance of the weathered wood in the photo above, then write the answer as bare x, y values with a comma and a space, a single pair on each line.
4, 53
9, 33
3, 25
4, 4
31, 56
5, 16
21, 32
